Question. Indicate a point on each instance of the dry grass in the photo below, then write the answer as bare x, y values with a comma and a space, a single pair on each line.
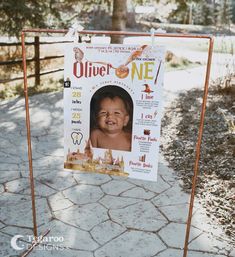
48, 83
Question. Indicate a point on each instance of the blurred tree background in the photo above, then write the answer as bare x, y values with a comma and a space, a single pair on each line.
112, 14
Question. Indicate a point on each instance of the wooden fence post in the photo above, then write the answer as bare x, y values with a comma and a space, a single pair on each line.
37, 60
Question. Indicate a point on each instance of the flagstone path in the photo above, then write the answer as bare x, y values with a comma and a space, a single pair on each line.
97, 215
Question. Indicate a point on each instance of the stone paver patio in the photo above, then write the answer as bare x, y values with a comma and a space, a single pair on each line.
97, 215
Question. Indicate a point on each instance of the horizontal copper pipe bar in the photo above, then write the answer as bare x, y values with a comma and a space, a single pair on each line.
121, 33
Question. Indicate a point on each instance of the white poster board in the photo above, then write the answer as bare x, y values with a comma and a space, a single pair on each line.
112, 109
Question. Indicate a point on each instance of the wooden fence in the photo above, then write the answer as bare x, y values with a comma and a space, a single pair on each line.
36, 59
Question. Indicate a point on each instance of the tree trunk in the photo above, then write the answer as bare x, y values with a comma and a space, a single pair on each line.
119, 19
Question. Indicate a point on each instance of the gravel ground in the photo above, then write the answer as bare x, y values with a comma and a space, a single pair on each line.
216, 181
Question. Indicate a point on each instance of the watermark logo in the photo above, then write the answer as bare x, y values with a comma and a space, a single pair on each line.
20, 242
14, 243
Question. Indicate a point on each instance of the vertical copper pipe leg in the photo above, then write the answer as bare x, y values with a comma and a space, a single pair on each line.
29, 135
198, 147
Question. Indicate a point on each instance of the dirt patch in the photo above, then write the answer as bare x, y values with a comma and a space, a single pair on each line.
216, 182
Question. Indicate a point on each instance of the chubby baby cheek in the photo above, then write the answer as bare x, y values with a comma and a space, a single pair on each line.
101, 119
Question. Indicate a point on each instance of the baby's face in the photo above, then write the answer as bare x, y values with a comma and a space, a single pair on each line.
112, 116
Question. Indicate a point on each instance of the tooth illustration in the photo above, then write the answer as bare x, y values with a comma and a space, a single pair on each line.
77, 138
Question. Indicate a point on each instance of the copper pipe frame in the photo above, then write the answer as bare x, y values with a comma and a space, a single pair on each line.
203, 108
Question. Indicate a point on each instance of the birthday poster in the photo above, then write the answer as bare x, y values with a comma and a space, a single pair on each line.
112, 109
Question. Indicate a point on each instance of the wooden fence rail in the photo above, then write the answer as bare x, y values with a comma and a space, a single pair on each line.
19, 61
36, 59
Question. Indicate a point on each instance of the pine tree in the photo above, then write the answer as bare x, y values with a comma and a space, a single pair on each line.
233, 11
203, 14
225, 12
15, 15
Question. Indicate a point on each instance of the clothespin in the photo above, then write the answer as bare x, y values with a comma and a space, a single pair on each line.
74, 31
152, 31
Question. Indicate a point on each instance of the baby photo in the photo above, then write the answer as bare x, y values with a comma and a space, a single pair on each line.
111, 119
